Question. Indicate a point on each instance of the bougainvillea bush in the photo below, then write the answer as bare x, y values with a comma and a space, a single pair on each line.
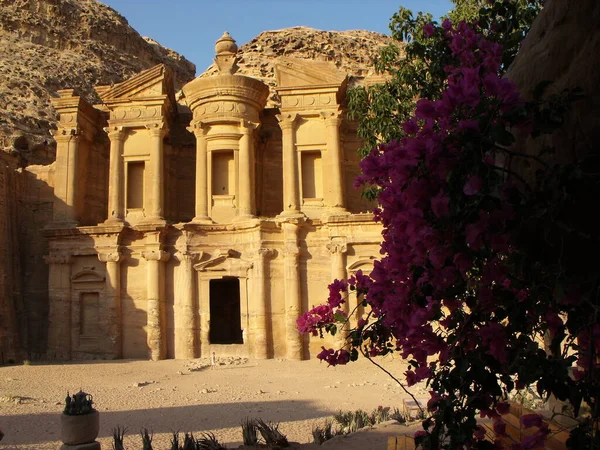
489, 275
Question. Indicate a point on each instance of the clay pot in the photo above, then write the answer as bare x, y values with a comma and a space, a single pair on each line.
80, 429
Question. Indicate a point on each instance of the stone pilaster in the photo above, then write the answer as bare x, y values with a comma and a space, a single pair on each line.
116, 200
156, 337
65, 191
156, 202
334, 187
201, 213
112, 299
184, 317
338, 252
59, 314
293, 295
291, 187
259, 318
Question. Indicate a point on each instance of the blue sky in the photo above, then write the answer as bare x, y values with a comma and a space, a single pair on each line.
191, 27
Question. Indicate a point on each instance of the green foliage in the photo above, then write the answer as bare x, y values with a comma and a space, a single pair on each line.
414, 65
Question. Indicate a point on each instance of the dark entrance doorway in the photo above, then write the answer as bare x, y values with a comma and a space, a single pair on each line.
225, 313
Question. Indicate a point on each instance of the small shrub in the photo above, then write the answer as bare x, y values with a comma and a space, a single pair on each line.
189, 443
249, 431
146, 439
321, 435
271, 434
398, 416
118, 435
380, 414
174, 440
208, 441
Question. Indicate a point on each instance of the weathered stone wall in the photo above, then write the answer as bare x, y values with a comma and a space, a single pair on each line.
563, 46
10, 267
26, 199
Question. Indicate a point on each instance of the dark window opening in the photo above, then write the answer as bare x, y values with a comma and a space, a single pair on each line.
225, 312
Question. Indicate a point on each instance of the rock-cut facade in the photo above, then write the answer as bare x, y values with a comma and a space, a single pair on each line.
203, 222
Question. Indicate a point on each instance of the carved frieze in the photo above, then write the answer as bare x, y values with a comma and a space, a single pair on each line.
309, 101
136, 114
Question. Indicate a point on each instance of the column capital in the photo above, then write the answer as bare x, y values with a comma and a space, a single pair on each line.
114, 256
187, 256
57, 258
266, 252
66, 134
332, 117
157, 129
247, 127
155, 255
286, 120
200, 129
115, 132
337, 248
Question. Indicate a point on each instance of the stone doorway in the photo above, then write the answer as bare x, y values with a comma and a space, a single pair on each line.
225, 311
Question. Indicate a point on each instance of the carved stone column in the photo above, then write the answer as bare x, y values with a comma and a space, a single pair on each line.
335, 183
259, 319
183, 309
293, 295
157, 133
338, 252
291, 189
116, 201
59, 314
112, 298
246, 172
201, 214
65, 191
155, 303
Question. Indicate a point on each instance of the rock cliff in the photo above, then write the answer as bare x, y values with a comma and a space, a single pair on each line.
46, 45
351, 51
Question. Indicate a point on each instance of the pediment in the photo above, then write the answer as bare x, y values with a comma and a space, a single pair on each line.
153, 82
87, 276
362, 264
294, 72
227, 261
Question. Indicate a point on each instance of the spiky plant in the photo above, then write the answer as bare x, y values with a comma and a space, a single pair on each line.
146, 439
398, 416
189, 443
174, 440
249, 431
208, 441
321, 435
271, 434
118, 434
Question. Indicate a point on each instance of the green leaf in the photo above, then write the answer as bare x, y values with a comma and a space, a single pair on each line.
339, 317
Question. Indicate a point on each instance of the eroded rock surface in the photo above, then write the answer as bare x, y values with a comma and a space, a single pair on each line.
46, 45
353, 52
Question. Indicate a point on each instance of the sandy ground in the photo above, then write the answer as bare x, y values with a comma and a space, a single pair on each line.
172, 395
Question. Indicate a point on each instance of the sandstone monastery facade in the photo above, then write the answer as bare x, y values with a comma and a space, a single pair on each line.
200, 222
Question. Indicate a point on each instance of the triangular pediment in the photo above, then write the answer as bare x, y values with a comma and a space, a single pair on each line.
293, 72
152, 82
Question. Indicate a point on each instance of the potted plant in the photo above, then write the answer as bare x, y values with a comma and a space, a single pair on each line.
79, 422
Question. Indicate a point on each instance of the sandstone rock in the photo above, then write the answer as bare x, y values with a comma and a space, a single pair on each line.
351, 51
47, 45
563, 46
